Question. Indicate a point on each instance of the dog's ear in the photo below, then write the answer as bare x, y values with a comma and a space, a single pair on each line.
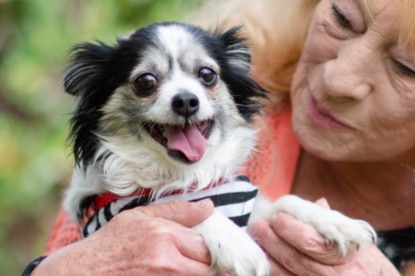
87, 62
237, 52
90, 76
235, 73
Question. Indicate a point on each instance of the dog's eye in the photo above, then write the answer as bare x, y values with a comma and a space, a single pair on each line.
145, 84
207, 76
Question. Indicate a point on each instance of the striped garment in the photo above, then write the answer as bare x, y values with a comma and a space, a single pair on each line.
398, 246
234, 199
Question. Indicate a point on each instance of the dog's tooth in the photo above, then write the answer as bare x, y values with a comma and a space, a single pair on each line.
162, 130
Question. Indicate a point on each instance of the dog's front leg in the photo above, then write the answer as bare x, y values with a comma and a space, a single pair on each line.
231, 248
337, 229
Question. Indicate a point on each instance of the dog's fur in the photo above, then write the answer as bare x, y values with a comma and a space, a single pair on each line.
163, 78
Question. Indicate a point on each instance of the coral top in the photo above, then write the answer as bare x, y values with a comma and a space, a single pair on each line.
271, 167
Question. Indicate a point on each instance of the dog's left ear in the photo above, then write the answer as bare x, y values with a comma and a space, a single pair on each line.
88, 61
237, 52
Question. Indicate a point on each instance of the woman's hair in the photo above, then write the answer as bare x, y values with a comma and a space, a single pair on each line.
407, 30
276, 31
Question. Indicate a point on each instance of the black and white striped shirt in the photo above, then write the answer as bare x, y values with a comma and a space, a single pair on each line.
234, 199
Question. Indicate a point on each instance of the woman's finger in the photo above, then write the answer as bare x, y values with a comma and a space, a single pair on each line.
287, 257
185, 213
276, 268
192, 245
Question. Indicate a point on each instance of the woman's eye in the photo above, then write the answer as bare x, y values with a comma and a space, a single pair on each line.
404, 70
145, 84
207, 76
340, 18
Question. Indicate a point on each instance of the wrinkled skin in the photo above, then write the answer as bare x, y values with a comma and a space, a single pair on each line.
353, 95
295, 248
152, 240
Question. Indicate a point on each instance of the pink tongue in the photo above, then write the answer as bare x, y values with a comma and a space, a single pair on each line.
187, 140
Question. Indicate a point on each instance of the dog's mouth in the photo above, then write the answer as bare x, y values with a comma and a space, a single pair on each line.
187, 143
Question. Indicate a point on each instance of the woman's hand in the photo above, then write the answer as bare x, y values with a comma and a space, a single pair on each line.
296, 248
151, 240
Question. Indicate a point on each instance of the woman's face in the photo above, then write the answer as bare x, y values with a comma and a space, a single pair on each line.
353, 93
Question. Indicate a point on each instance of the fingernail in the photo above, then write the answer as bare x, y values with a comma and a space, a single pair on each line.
323, 202
273, 218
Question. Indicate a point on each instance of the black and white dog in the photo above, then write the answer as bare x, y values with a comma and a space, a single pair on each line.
165, 114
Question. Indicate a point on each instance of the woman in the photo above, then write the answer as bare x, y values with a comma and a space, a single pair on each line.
349, 66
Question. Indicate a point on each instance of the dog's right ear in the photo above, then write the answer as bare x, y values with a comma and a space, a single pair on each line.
86, 65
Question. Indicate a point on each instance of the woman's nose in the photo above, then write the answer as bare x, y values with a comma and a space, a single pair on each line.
350, 74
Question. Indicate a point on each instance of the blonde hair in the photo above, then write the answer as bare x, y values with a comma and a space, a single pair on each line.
276, 31
407, 30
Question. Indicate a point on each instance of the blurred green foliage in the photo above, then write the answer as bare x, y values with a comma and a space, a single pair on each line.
35, 164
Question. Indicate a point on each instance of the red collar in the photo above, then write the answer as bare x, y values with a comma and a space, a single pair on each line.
107, 198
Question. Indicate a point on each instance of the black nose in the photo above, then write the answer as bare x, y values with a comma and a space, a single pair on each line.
185, 104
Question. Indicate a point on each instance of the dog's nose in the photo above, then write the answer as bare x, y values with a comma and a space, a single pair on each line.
185, 104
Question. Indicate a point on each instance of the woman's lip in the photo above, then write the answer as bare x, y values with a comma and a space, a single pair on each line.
322, 116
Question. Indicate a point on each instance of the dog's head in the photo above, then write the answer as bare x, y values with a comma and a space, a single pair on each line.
173, 90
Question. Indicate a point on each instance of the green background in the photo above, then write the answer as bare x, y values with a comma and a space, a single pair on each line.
35, 162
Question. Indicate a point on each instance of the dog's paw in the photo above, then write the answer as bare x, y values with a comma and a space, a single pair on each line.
239, 255
337, 229
231, 248
345, 233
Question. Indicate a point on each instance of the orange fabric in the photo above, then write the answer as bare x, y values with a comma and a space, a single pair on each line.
64, 232
271, 167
